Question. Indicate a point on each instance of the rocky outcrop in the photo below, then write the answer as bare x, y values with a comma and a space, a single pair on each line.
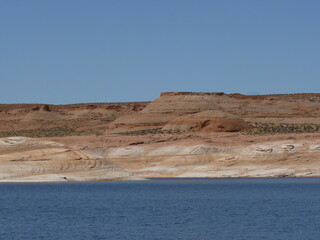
201, 159
218, 155
191, 110
25, 159
180, 134
208, 121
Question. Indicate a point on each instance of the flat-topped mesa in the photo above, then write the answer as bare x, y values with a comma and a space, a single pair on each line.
298, 97
191, 93
191, 111
175, 108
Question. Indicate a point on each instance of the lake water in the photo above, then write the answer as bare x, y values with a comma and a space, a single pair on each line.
287, 208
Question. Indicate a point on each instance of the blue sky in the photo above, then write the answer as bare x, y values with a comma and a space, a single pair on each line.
71, 51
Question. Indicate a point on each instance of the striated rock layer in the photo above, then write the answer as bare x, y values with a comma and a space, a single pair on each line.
134, 158
181, 111
29, 160
180, 134
198, 158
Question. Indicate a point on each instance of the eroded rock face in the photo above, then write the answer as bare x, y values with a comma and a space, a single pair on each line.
25, 159
208, 121
46, 108
177, 135
208, 155
201, 159
184, 111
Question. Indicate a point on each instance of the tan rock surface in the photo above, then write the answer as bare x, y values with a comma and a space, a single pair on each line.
25, 159
205, 158
210, 155
177, 135
271, 109
207, 121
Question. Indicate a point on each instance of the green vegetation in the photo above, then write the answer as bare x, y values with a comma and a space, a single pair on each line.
256, 129
142, 132
52, 132
282, 128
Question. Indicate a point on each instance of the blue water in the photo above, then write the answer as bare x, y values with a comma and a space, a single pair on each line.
163, 209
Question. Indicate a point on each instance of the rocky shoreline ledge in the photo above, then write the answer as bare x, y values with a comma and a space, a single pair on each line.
36, 160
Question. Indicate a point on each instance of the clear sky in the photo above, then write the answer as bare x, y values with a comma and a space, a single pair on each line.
71, 51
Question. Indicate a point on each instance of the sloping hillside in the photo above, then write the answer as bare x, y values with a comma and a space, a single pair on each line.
38, 120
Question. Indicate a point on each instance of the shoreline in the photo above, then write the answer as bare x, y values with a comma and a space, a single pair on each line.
177, 179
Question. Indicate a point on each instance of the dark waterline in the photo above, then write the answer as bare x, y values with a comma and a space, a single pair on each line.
232, 208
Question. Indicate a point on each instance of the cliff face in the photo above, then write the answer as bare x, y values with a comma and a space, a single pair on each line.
180, 134
218, 110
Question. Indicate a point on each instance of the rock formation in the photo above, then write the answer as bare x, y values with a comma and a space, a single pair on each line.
180, 134
265, 109
207, 121
32, 160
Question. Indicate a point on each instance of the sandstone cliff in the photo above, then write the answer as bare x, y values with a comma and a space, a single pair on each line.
266, 111
180, 134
